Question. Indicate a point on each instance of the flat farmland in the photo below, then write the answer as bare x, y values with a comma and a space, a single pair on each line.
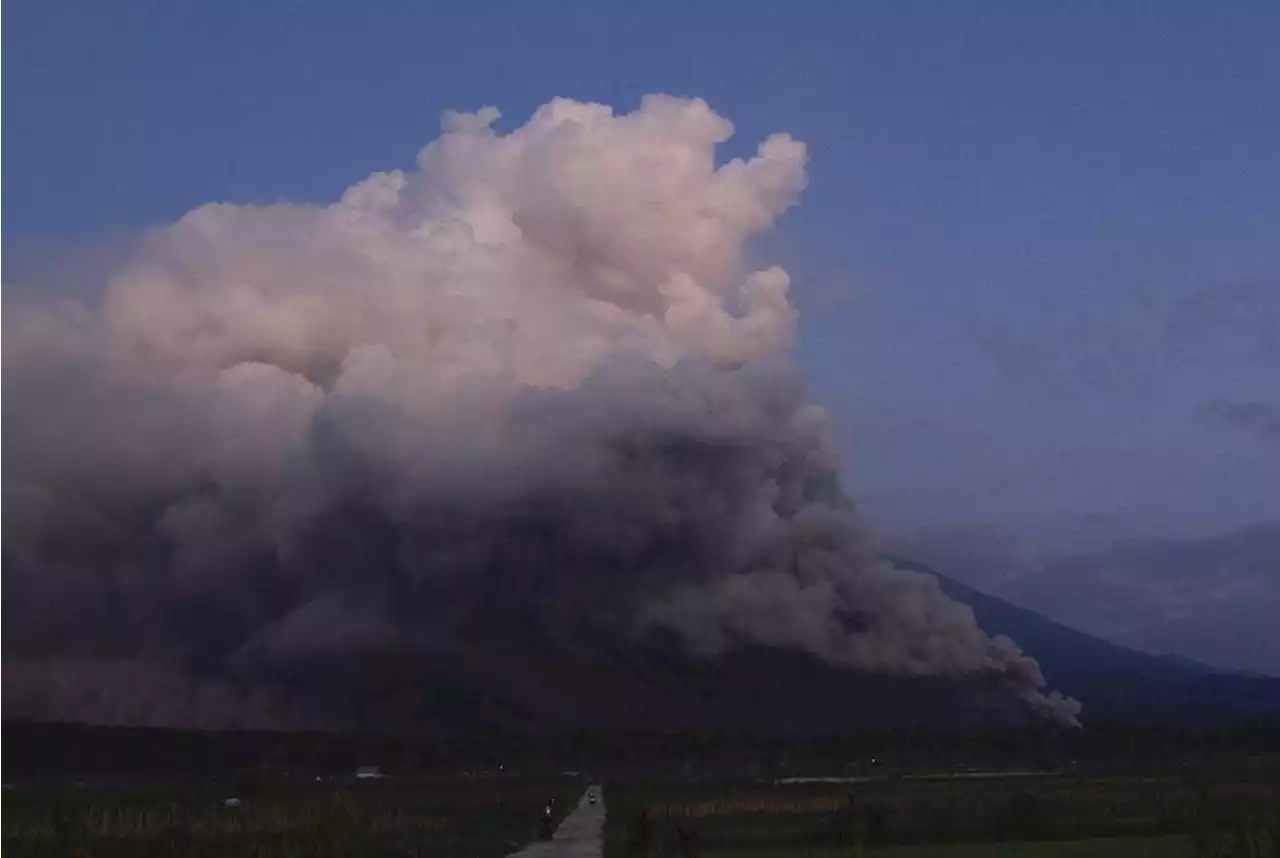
1120, 847
441, 817
1226, 810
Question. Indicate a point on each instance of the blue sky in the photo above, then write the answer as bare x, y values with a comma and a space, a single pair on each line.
1039, 238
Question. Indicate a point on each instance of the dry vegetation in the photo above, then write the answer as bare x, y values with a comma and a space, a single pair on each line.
476, 817
1231, 811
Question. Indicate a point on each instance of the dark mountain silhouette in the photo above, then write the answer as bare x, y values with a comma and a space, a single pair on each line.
512, 668
1214, 597
1114, 681
515, 672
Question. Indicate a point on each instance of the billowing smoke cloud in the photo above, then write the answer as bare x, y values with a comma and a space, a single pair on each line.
535, 371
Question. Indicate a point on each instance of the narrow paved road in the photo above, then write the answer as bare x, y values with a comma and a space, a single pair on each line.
580, 834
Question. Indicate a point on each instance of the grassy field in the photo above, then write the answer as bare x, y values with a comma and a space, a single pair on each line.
383, 818
1116, 847
1121, 847
1226, 812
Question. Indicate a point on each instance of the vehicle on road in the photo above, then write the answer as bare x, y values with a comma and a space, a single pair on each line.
548, 827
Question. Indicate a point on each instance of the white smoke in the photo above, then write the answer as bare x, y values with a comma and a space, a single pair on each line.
552, 331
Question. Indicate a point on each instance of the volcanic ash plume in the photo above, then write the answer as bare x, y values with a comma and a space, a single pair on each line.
536, 370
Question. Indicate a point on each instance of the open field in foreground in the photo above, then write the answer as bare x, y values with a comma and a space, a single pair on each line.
478, 817
1122, 847
1117, 847
1224, 811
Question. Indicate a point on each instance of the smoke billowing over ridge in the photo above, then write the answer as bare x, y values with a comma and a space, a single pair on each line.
534, 370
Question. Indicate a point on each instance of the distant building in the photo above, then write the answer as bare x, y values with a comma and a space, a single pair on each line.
367, 772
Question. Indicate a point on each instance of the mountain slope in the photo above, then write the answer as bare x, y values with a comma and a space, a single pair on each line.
1113, 681
509, 670
1212, 598
509, 673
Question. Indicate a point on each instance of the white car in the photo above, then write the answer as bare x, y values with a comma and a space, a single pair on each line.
591, 796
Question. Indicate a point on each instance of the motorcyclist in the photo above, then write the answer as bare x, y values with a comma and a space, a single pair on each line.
547, 817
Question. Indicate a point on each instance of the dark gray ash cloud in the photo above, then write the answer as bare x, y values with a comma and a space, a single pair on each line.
535, 372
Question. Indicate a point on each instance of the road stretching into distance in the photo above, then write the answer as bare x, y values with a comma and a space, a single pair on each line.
580, 835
